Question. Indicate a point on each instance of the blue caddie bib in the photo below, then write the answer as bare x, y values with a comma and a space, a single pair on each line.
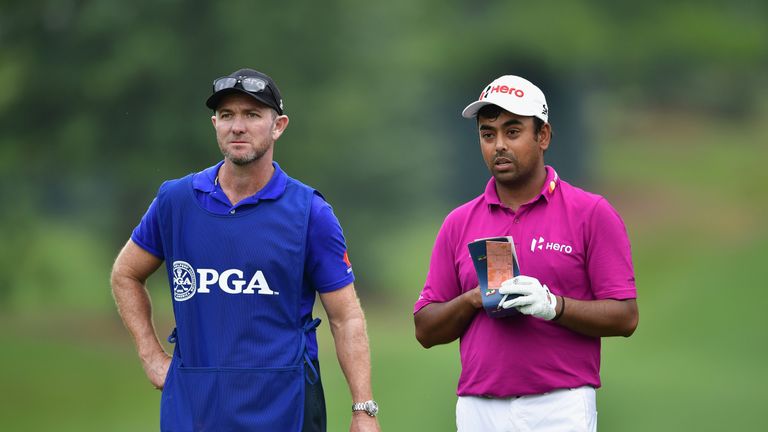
239, 359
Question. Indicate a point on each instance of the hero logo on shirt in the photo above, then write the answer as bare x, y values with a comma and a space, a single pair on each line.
187, 281
541, 244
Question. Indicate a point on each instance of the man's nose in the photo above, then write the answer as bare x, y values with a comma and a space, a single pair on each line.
500, 144
238, 125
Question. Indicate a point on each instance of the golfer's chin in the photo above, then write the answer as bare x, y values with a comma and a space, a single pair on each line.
242, 161
242, 158
505, 176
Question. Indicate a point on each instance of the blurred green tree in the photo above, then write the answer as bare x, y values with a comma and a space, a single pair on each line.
104, 99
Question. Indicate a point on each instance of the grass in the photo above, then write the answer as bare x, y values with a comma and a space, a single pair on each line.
696, 362
51, 382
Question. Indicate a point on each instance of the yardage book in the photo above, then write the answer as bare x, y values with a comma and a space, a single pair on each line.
495, 261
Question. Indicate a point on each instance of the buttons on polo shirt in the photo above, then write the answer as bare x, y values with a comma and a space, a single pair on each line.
232, 211
517, 220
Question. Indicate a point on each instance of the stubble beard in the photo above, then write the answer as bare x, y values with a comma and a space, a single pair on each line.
517, 178
246, 159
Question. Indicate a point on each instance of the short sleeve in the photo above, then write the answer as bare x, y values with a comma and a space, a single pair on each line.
609, 255
327, 264
442, 282
147, 233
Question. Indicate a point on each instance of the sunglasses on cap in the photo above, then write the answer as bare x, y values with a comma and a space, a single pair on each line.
257, 85
251, 84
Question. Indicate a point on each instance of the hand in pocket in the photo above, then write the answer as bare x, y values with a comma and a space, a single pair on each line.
156, 368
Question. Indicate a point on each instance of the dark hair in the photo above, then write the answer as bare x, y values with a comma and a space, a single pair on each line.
492, 111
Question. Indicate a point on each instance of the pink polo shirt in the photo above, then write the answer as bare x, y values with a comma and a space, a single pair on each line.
572, 241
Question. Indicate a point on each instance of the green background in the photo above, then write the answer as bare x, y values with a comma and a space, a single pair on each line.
659, 106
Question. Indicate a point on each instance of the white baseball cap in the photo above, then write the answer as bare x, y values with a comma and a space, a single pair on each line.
514, 94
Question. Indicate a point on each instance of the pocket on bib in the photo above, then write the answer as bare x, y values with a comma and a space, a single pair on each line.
264, 398
224, 399
174, 409
199, 391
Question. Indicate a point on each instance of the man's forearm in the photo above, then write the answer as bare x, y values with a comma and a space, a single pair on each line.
599, 318
351, 340
352, 349
135, 309
440, 323
129, 273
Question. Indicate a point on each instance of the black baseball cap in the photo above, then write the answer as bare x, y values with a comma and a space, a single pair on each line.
247, 81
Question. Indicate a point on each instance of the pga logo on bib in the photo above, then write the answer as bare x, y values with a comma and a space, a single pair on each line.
186, 281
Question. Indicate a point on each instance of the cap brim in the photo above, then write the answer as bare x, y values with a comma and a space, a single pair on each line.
471, 110
215, 99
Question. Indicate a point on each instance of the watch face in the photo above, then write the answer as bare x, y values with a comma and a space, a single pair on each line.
372, 408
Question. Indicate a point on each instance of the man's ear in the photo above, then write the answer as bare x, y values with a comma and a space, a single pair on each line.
544, 136
281, 123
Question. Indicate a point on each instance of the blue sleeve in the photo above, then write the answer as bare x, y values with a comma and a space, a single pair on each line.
327, 263
147, 233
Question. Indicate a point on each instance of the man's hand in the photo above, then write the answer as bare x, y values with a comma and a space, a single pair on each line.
362, 422
156, 368
535, 298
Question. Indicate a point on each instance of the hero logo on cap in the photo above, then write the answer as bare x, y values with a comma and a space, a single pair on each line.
514, 94
502, 89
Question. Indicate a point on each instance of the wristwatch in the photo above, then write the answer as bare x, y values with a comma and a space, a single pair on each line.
370, 407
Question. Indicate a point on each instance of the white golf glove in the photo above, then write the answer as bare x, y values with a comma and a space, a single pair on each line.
535, 298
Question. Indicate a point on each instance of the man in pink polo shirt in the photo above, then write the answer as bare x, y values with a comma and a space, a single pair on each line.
536, 370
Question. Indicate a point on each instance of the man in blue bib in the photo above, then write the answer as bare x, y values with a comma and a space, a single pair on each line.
246, 247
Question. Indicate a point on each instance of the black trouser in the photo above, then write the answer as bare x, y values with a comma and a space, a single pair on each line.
314, 403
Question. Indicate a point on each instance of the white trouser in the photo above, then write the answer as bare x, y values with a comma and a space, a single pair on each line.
566, 410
